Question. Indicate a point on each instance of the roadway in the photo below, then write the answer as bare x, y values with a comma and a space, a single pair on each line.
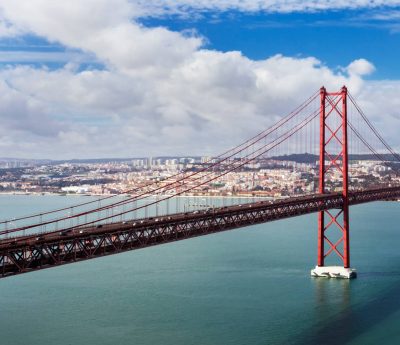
32, 252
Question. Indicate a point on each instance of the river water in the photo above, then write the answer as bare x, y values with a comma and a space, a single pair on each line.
246, 286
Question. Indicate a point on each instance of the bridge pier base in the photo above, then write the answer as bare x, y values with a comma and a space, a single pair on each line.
334, 272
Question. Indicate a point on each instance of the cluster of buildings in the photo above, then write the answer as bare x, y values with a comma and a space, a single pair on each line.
199, 176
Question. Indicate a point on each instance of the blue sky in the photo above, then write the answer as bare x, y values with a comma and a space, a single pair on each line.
117, 78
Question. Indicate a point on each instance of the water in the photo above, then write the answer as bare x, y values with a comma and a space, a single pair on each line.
246, 286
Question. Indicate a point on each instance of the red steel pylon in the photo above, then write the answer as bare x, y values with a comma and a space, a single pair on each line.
333, 159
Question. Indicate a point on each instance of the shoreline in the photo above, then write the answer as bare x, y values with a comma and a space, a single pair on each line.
128, 195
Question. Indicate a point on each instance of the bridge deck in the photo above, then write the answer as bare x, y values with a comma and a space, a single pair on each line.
34, 252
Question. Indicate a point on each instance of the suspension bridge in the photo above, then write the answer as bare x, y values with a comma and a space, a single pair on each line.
329, 125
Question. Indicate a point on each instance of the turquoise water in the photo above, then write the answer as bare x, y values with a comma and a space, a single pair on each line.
246, 286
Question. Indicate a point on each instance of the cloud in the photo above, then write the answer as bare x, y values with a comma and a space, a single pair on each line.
7, 29
21, 112
104, 28
392, 15
160, 92
185, 7
18, 56
360, 67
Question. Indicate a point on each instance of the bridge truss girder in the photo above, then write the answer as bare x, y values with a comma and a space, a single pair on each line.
25, 255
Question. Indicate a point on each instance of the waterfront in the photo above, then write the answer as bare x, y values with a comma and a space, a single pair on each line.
246, 286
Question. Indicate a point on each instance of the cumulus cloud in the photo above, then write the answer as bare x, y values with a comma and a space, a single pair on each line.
104, 28
7, 29
360, 67
160, 92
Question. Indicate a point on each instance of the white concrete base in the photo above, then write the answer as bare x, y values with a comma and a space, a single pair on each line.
333, 272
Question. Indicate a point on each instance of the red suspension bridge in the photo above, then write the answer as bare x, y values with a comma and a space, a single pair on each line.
328, 125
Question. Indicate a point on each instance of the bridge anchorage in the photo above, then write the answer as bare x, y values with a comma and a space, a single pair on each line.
333, 129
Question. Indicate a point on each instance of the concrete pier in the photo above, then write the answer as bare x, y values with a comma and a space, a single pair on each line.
333, 272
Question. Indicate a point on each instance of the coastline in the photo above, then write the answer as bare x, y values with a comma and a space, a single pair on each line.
129, 195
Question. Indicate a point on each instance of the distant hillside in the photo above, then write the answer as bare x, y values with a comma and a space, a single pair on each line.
88, 160
109, 160
25, 160
93, 160
310, 158
297, 157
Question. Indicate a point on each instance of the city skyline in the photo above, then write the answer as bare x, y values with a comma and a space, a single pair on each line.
145, 78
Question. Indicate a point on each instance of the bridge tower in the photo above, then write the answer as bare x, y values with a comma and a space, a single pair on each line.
333, 226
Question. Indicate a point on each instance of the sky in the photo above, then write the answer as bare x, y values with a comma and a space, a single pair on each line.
132, 78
